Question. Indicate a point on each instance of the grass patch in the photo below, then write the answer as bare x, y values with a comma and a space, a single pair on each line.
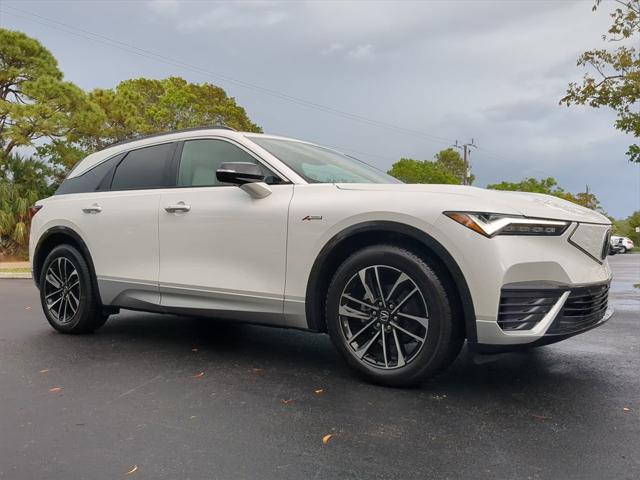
15, 270
637, 285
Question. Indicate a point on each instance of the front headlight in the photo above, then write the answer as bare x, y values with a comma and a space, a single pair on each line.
492, 224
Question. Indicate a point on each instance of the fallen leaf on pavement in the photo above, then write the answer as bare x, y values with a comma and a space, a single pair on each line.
626, 409
257, 370
326, 438
27, 308
198, 375
44, 371
134, 469
290, 400
55, 389
319, 391
541, 417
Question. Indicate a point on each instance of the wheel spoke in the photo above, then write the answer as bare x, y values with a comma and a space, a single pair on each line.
401, 361
53, 304
74, 285
384, 348
347, 311
52, 293
407, 332
424, 321
64, 311
363, 278
404, 300
352, 337
401, 278
53, 279
63, 300
349, 297
384, 302
75, 299
361, 352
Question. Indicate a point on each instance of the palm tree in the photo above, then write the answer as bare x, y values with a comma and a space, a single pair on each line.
22, 183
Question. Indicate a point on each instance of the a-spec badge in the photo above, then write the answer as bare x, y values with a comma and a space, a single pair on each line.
312, 217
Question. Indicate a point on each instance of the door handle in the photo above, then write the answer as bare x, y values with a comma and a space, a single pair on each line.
95, 208
178, 207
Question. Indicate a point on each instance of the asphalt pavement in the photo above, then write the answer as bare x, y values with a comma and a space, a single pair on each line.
167, 397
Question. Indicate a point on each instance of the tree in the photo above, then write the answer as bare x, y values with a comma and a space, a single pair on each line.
549, 186
452, 161
35, 102
447, 167
617, 73
409, 170
22, 183
144, 106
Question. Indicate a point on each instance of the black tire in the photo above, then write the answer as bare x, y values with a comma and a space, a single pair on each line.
88, 316
443, 334
623, 249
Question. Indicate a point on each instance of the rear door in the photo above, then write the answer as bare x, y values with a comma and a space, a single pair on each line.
120, 226
225, 252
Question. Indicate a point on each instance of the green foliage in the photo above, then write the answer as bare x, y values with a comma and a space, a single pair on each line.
144, 106
549, 186
453, 162
617, 79
35, 103
22, 183
448, 167
409, 170
627, 227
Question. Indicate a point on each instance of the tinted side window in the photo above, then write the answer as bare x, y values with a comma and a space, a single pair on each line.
143, 168
95, 179
201, 158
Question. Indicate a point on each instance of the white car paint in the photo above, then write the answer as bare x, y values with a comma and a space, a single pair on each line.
251, 258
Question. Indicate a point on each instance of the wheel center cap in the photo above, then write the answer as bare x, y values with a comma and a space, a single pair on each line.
384, 316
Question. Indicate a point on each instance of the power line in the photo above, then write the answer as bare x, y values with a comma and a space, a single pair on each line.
72, 30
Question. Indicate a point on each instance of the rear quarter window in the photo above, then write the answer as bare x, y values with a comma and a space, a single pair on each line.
96, 179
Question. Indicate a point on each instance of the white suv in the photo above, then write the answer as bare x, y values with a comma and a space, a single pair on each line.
622, 244
264, 229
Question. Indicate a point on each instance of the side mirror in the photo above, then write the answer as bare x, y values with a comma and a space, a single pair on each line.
239, 173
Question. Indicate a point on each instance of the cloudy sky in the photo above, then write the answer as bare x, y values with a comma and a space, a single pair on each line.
380, 80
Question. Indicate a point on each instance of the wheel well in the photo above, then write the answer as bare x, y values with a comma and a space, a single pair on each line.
340, 247
59, 236
47, 244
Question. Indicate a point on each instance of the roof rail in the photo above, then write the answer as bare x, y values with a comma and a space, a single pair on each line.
160, 134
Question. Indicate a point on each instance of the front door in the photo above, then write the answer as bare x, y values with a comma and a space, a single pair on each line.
222, 252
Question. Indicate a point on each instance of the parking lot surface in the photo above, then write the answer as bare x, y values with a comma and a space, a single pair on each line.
168, 397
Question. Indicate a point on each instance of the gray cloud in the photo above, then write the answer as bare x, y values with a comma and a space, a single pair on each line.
491, 70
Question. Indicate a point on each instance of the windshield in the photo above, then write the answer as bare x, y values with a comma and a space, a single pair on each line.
321, 165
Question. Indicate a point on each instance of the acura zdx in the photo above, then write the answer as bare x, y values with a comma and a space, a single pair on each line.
256, 228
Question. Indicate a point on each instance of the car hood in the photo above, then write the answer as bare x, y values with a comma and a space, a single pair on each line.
494, 201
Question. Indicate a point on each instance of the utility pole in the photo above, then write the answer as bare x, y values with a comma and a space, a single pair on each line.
466, 155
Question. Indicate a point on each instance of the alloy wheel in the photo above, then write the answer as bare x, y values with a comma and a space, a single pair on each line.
62, 290
383, 317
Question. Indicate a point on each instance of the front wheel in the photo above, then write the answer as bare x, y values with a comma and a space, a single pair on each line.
389, 316
66, 293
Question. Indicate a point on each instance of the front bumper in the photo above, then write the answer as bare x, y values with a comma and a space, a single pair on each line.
533, 314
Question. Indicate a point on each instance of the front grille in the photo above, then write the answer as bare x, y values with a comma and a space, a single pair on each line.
522, 308
584, 308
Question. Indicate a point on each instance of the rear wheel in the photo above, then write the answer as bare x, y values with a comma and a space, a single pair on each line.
389, 316
66, 293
